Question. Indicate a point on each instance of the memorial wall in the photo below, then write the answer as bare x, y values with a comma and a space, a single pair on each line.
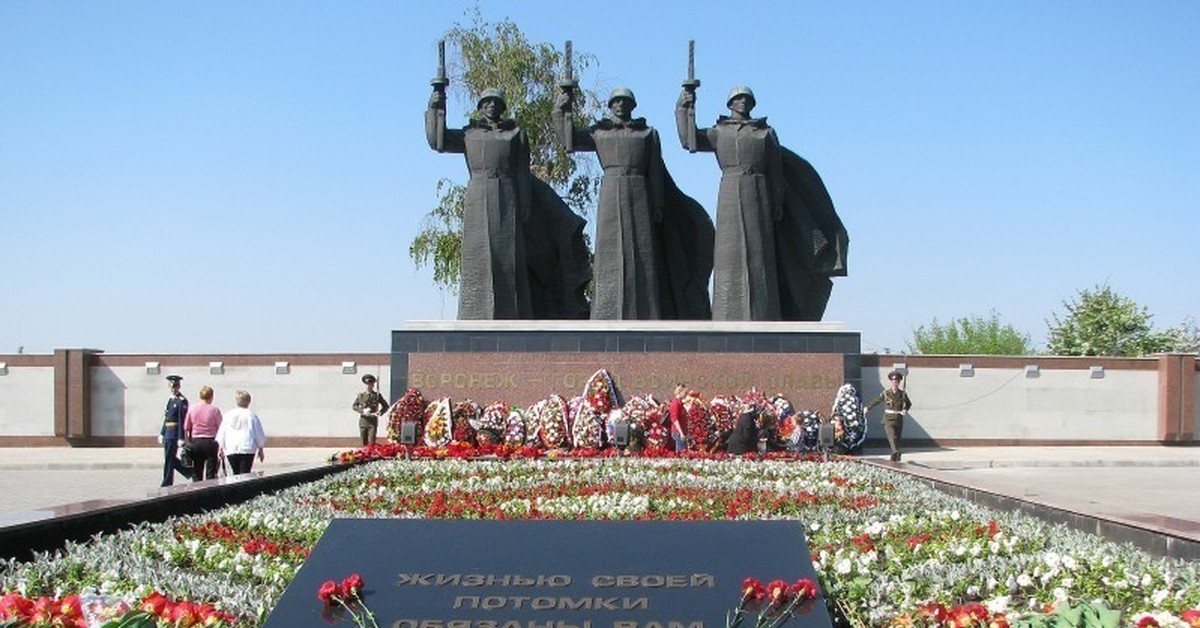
117, 400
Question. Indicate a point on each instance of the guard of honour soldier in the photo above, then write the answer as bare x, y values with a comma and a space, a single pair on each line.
369, 404
172, 428
895, 404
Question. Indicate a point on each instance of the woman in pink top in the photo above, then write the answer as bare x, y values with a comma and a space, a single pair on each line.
200, 429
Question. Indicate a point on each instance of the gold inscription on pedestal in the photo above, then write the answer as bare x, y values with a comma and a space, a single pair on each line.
552, 601
644, 381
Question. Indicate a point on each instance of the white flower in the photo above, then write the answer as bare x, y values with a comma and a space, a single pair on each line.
1068, 562
1052, 559
1024, 580
843, 566
1159, 596
1146, 580
1060, 595
997, 604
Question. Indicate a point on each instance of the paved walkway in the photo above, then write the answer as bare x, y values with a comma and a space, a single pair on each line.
1146, 486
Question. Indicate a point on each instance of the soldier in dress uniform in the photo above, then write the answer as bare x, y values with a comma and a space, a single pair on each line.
177, 407
369, 404
895, 404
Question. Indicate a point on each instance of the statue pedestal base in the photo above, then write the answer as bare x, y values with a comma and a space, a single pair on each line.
522, 362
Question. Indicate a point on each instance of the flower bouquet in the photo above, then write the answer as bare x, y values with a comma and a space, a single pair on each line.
345, 598
532, 425
465, 418
601, 391
807, 437
587, 431
850, 428
410, 409
553, 421
775, 603
655, 424
722, 414
514, 428
786, 418
698, 426
438, 426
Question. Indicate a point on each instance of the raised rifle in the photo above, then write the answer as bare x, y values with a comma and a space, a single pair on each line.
690, 85
440, 82
568, 85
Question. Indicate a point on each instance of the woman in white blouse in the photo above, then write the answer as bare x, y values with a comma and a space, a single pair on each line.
241, 435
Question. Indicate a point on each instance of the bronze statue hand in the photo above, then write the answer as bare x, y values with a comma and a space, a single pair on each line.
565, 101
687, 99
437, 100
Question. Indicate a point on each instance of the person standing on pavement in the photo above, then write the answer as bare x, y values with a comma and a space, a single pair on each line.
168, 436
744, 439
241, 436
369, 404
895, 403
200, 429
678, 416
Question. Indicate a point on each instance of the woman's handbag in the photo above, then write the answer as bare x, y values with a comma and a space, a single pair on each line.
185, 454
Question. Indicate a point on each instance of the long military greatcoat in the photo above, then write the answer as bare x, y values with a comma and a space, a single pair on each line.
494, 282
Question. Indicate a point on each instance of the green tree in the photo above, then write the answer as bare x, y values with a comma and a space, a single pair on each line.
1103, 322
1185, 338
970, 335
483, 55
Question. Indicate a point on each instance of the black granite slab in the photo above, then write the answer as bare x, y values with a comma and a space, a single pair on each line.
562, 574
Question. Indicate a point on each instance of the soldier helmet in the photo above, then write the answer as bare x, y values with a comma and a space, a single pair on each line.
740, 90
368, 379
175, 378
895, 376
622, 92
492, 92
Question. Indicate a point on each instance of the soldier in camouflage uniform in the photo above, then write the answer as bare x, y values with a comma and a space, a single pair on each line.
369, 404
895, 404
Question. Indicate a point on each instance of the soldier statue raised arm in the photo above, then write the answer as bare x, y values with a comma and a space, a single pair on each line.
645, 265
778, 239
494, 283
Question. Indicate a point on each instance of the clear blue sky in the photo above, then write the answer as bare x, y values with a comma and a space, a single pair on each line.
244, 177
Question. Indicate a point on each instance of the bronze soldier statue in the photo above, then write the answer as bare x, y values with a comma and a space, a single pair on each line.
653, 243
778, 238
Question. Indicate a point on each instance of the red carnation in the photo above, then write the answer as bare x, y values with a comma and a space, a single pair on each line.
777, 592
353, 585
328, 591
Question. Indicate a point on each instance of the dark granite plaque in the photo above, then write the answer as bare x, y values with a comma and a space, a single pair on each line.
550, 574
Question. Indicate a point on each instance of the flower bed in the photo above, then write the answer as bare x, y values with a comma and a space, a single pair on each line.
888, 551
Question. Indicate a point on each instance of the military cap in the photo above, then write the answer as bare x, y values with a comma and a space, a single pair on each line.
369, 379
622, 92
174, 378
492, 92
895, 375
740, 90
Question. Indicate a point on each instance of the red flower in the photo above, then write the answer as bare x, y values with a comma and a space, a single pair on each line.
804, 589
933, 611
1192, 617
352, 585
14, 605
184, 615
328, 591
753, 589
155, 604
1147, 621
777, 592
